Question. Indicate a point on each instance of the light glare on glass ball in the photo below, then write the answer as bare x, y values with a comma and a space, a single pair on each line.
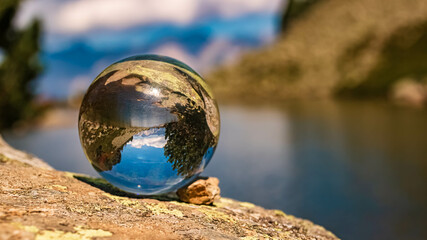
149, 124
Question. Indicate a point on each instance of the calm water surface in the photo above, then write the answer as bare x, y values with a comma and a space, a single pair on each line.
359, 169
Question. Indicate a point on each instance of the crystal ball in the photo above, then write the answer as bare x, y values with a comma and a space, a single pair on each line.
149, 124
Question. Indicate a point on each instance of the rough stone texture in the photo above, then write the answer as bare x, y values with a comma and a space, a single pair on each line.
40, 203
201, 191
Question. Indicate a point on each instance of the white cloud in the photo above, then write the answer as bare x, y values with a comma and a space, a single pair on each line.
78, 85
217, 51
83, 15
44, 9
156, 141
176, 51
79, 16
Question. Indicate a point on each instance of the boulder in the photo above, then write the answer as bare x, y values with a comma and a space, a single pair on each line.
201, 191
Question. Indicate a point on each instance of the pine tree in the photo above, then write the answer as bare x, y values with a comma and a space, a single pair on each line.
19, 67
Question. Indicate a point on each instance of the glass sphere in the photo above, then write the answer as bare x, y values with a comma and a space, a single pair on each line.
149, 124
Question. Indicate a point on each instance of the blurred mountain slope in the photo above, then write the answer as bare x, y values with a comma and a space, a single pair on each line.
345, 48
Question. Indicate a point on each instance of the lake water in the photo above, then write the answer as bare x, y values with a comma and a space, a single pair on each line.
357, 168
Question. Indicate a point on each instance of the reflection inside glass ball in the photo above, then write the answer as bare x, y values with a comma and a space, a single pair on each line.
149, 124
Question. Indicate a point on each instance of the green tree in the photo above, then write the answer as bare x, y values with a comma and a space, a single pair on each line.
188, 139
19, 66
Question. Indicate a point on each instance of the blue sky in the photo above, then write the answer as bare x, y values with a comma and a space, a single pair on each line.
82, 37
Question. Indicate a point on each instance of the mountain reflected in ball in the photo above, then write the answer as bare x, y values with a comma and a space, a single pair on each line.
149, 124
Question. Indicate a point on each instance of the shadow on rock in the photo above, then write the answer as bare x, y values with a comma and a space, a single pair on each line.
105, 186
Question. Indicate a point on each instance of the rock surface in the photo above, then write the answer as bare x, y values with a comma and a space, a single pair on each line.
201, 191
37, 202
